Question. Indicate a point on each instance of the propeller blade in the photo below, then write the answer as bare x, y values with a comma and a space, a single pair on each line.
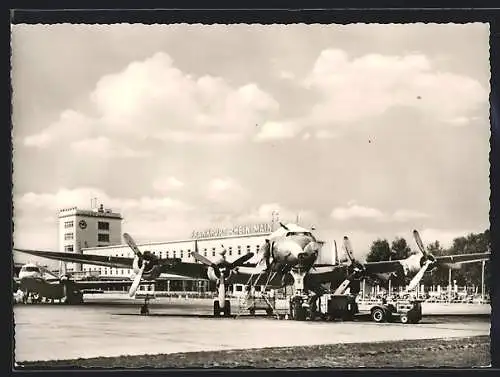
348, 249
241, 260
416, 279
202, 259
131, 243
222, 294
419, 242
136, 282
284, 226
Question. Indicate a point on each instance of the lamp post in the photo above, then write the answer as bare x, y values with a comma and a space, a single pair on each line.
390, 276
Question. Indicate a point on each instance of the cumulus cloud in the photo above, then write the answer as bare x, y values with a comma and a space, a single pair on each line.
264, 213
71, 125
80, 197
355, 211
226, 192
103, 147
277, 130
154, 98
355, 89
166, 184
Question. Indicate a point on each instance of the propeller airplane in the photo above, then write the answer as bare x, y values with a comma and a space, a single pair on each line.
289, 255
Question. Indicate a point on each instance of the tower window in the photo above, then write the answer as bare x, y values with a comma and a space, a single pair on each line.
68, 236
102, 237
103, 225
68, 248
69, 224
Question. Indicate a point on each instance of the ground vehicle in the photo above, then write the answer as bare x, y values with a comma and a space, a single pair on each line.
337, 306
406, 311
327, 307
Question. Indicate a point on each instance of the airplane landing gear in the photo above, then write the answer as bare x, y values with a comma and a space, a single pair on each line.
226, 311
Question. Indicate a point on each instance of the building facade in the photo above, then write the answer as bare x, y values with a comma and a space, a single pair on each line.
79, 229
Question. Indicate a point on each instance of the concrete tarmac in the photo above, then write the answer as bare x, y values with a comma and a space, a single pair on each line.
114, 328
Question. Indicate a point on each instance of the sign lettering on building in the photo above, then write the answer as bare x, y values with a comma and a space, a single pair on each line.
238, 230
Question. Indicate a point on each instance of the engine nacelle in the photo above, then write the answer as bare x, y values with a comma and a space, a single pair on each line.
415, 262
214, 275
151, 270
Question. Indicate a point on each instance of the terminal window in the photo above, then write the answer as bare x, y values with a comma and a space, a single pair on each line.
68, 236
103, 237
230, 250
168, 253
68, 248
103, 225
69, 224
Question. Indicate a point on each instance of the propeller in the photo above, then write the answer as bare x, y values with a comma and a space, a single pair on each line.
427, 261
137, 281
142, 260
222, 269
350, 254
427, 256
284, 226
131, 243
420, 274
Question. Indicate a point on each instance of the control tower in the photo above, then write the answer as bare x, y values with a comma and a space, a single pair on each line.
79, 229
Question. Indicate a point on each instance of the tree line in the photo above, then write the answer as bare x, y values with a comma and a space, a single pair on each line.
466, 275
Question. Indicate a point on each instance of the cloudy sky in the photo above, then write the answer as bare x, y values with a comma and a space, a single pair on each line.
365, 130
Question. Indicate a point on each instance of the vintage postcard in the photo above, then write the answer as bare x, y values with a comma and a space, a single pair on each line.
263, 196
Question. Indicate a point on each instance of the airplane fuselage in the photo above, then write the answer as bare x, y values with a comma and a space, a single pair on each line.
45, 288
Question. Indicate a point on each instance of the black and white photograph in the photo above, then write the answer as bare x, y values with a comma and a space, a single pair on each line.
251, 196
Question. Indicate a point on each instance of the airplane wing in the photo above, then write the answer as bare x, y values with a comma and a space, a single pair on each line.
453, 260
168, 265
99, 260
326, 273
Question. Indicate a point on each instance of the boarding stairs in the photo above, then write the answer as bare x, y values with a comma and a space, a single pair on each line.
249, 300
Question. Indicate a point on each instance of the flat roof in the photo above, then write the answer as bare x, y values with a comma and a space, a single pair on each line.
200, 240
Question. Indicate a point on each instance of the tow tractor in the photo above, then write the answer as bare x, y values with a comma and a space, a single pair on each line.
404, 311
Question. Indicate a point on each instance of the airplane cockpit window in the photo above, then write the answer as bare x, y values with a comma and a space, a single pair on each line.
31, 269
308, 234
